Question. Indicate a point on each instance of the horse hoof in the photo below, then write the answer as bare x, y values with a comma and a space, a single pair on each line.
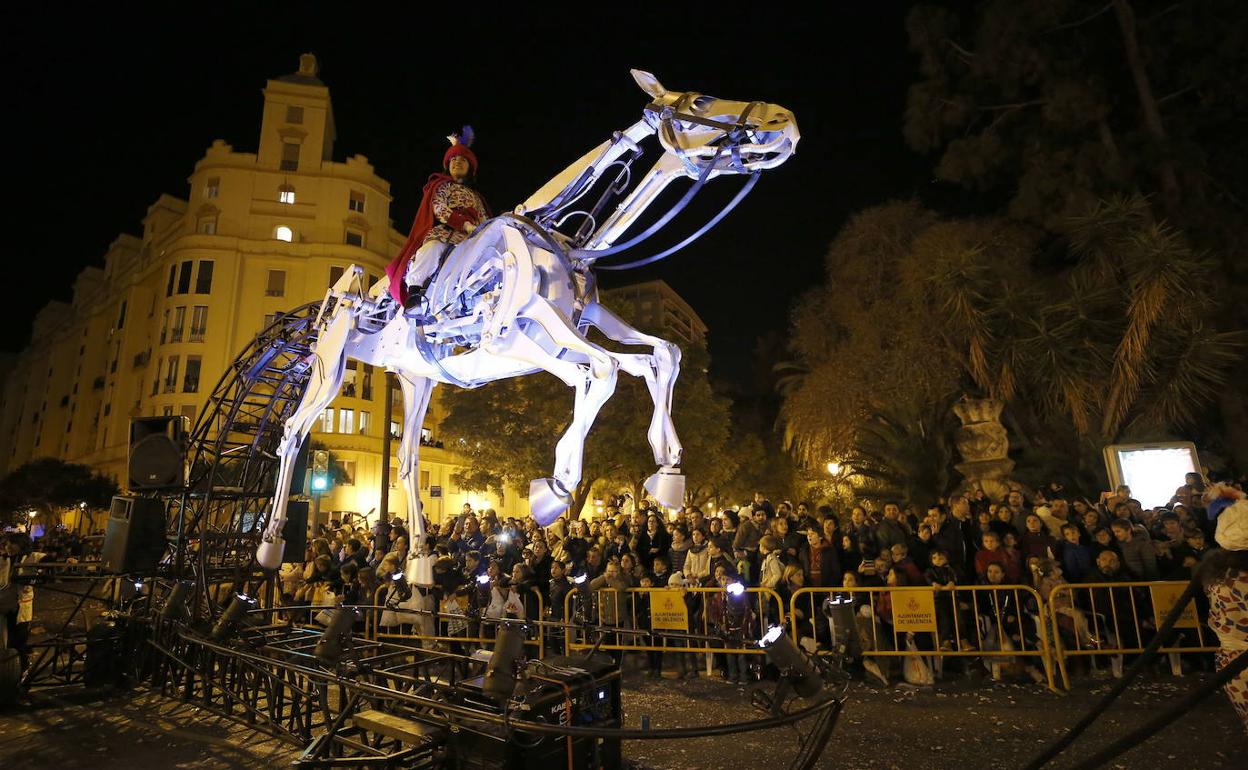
269, 554
667, 487
547, 499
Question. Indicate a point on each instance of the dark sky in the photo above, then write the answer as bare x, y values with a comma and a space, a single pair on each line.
108, 108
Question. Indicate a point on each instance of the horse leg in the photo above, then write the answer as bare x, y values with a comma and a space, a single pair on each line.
324, 382
592, 385
416, 394
659, 370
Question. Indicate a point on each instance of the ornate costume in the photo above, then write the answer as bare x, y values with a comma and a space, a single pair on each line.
449, 210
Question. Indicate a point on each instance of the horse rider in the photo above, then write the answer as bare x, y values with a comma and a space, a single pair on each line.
450, 209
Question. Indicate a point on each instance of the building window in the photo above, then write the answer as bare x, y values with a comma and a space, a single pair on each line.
167, 411
188, 412
277, 284
355, 238
366, 386
294, 114
290, 156
203, 284
171, 377
346, 421
184, 277
121, 316
173, 272
212, 188
283, 233
179, 321
199, 323
424, 479
325, 423
190, 383
345, 472
160, 362
395, 431
365, 420
286, 194
207, 225
164, 328
356, 202
426, 436
335, 273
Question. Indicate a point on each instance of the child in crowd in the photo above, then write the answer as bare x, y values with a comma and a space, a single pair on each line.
993, 553
772, 572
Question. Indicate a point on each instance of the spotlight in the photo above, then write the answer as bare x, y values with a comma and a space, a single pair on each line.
581, 578
792, 662
336, 636
504, 538
483, 580
175, 602
736, 589
235, 614
500, 674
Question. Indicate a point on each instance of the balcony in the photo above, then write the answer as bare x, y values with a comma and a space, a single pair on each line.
142, 359
274, 293
170, 385
190, 385
176, 335
197, 335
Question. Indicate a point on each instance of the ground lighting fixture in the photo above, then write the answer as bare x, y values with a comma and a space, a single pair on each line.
175, 602
233, 615
793, 664
334, 638
500, 673
735, 589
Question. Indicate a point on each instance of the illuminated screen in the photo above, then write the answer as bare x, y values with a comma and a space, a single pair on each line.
1154, 474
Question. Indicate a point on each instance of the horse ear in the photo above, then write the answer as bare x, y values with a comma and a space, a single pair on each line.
649, 83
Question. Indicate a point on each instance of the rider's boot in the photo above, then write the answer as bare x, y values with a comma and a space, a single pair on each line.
414, 309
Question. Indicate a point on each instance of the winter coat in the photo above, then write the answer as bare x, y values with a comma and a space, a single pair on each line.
697, 563
1139, 558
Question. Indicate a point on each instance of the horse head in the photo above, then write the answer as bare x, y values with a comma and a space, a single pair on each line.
732, 136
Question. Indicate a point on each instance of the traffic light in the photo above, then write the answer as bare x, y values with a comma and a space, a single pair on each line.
320, 471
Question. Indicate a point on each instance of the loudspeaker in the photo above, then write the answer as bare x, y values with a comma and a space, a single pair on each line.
158, 452
295, 532
135, 538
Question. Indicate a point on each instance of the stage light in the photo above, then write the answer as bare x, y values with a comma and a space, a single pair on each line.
175, 603
483, 580
235, 614
500, 674
735, 589
336, 636
792, 662
504, 538
581, 578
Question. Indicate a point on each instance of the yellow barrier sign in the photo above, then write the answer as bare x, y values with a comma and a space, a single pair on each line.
1164, 598
914, 609
668, 611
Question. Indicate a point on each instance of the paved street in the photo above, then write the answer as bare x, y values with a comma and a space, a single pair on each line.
957, 725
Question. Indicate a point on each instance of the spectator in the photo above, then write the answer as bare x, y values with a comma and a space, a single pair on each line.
863, 530
749, 533
1138, 554
1036, 541
773, 562
905, 565
1077, 559
697, 560
679, 549
993, 553
820, 561
891, 530
790, 541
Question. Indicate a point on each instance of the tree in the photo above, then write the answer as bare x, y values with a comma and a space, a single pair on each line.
1047, 109
49, 485
1120, 345
506, 431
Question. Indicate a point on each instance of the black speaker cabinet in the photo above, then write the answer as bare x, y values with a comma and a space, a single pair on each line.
295, 532
158, 452
135, 538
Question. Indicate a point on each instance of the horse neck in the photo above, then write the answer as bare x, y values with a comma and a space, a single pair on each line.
562, 190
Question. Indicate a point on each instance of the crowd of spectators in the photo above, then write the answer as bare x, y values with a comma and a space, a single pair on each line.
485, 566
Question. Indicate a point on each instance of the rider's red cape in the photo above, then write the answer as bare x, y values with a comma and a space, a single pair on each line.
421, 225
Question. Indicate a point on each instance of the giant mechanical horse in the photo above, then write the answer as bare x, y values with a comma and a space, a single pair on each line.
519, 296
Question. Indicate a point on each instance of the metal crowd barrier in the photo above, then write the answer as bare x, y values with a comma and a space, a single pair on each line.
689, 628
448, 628
996, 622
1113, 619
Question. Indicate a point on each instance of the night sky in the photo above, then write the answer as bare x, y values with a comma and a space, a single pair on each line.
107, 111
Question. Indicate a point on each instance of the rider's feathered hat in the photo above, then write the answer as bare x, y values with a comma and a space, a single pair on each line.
460, 144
